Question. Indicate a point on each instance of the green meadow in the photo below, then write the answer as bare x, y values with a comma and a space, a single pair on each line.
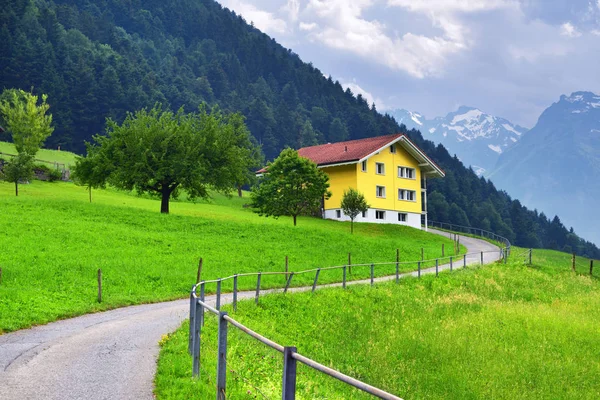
53, 241
54, 156
498, 331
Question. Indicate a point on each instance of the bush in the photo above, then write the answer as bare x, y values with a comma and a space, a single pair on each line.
45, 173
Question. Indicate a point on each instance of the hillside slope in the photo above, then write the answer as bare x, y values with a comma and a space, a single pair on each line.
102, 59
54, 240
502, 331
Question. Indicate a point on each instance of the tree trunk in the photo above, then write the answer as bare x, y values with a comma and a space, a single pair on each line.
164, 203
294, 220
17, 188
239, 191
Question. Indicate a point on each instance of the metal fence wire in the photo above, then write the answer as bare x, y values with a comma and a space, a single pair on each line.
198, 307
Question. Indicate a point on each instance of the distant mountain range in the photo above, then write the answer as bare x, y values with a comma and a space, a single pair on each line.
475, 137
555, 167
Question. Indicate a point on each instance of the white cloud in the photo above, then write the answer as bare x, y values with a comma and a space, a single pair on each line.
568, 29
308, 26
356, 89
418, 55
451, 6
292, 8
263, 20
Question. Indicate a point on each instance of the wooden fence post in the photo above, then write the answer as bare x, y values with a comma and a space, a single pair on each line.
288, 388
218, 302
257, 288
574, 259
530, 251
199, 270
99, 286
235, 290
372, 273
397, 265
591, 268
222, 357
192, 315
316, 279
197, 329
350, 263
289, 281
443, 252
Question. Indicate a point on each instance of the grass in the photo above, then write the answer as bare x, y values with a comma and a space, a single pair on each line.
54, 241
501, 331
51, 156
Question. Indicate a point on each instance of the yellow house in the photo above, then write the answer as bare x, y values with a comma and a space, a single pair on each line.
391, 172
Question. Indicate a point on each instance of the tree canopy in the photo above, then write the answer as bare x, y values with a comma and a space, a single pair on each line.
19, 168
353, 203
292, 185
162, 153
25, 119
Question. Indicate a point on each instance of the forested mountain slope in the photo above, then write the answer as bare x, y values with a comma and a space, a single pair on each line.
98, 59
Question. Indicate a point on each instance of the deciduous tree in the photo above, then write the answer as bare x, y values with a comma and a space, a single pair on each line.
353, 203
18, 169
26, 120
161, 153
292, 185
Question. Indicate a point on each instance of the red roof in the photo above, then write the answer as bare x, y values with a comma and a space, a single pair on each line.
355, 150
352, 150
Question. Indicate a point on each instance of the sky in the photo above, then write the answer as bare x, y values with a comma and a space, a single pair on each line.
509, 58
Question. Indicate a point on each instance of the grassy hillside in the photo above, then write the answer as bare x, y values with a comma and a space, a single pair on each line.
501, 331
61, 157
54, 241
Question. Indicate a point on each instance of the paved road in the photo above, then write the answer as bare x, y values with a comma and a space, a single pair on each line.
112, 355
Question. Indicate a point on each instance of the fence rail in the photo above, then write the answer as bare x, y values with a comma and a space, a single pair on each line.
198, 306
470, 231
65, 167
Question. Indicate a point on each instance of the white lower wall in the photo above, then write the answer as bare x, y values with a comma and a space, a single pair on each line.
391, 217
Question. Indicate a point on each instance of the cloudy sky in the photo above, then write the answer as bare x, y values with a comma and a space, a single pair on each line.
510, 58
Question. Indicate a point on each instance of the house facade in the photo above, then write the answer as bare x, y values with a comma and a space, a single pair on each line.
390, 171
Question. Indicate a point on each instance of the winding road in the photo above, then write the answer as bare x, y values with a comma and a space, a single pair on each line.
112, 355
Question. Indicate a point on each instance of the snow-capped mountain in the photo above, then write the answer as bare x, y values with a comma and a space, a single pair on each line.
555, 167
475, 137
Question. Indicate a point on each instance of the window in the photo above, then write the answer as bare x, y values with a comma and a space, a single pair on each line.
393, 149
380, 168
406, 172
364, 166
380, 191
379, 214
409, 195
338, 213
364, 214
401, 217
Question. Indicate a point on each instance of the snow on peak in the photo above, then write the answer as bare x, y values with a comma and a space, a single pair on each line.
416, 117
495, 148
509, 128
471, 115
